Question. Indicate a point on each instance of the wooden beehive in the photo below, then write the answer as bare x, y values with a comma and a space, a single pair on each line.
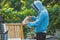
14, 30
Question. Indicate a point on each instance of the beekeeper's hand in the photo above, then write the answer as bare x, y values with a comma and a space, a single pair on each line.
23, 23
28, 17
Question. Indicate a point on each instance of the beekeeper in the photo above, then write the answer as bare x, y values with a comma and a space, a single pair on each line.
41, 22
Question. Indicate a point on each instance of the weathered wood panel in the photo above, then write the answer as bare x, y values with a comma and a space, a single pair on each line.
14, 30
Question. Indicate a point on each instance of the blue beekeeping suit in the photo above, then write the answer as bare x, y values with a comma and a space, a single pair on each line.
40, 22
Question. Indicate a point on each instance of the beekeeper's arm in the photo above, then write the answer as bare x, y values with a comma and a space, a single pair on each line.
33, 18
37, 22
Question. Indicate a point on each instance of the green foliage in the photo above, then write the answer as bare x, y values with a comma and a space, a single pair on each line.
11, 16
54, 13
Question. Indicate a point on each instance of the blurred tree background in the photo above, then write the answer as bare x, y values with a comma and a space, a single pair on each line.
14, 11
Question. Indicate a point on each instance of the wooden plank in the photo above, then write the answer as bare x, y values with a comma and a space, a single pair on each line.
21, 31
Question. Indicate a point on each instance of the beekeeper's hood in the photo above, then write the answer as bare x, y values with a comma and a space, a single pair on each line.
37, 5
